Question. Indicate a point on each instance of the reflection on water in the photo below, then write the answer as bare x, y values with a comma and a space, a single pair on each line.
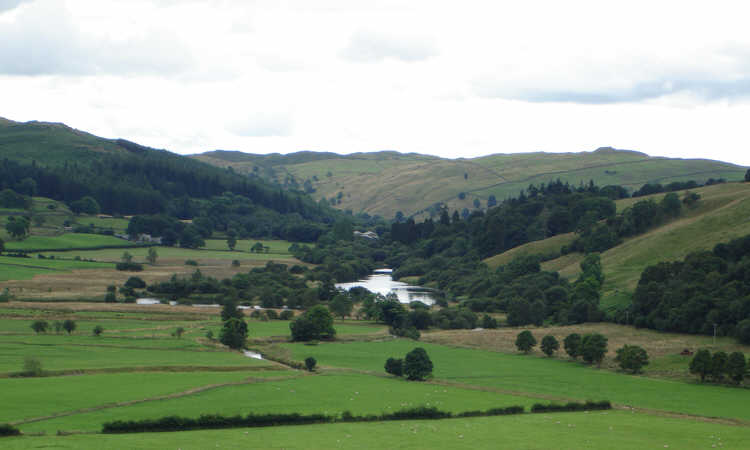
381, 283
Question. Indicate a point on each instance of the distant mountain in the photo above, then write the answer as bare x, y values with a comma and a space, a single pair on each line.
386, 182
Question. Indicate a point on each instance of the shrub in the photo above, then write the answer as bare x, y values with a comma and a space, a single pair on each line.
316, 323
719, 362
736, 367
235, 263
593, 348
572, 344
5, 297
549, 345
525, 341
701, 364
632, 358
233, 333
394, 366
9, 430
69, 326
191, 262
310, 363
39, 326
32, 367
272, 314
489, 322
286, 315
417, 365
129, 266
571, 406
135, 283
98, 330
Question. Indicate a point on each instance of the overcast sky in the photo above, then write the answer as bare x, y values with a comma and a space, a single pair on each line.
454, 79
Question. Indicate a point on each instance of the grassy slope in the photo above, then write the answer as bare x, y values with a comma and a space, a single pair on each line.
720, 216
66, 241
383, 183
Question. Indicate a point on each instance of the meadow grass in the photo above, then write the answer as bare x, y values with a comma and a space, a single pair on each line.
67, 241
25, 398
115, 223
327, 393
26, 268
614, 430
85, 327
174, 253
543, 247
85, 353
533, 375
277, 247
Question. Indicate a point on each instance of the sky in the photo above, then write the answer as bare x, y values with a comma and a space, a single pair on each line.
447, 78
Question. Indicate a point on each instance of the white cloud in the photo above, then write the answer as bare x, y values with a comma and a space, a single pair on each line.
262, 125
370, 46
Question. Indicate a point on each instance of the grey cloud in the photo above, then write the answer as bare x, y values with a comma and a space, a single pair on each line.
43, 40
366, 46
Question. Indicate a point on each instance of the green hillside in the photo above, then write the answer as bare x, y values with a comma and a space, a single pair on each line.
385, 182
721, 215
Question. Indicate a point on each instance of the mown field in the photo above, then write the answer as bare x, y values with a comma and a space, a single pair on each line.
67, 241
157, 374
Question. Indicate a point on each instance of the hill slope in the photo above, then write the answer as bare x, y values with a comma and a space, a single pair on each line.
385, 182
722, 214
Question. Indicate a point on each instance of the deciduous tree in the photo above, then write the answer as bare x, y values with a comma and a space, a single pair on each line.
549, 345
417, 365
525, 341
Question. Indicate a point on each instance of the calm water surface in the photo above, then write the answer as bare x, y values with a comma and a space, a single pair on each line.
381, 282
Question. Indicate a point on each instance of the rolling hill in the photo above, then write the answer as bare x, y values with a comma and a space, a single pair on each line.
386, 182
722, 214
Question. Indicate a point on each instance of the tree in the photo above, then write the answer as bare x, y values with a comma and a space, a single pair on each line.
701, 364
593, 348
2, 246
743, 331
152, 256
719, 362
231, 241
86, 205
632, 358
98, 330
525, 341
257, 248
17, 227
310, 363
572, 344
316, 323
417, 365
747, 175
39, 326
179, 332
230, 311
736, 367
394, 366
58, 326
69, 326
233, 333
32, 367
549, 345
341, 305
491, 201
127, 258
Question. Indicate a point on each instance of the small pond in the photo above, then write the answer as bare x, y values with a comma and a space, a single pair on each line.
382, 283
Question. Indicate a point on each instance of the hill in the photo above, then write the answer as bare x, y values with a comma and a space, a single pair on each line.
721, 215
63, 164
386, 182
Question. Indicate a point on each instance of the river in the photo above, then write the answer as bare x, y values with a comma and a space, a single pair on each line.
382, 283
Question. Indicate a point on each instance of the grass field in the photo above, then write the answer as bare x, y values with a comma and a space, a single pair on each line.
117, 224
66, 241
611, 430
275, 247
327, 393
538, 376
26, 268
173, 254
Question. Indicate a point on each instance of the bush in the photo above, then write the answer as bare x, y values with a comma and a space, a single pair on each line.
9, 430
135, 283
394, 366
571, 406
39, 326
525, 341
310, 363
593, 348
549, 345
572, 344
417, 365
235, 263
632, 358
286, 315
489, 322
233, 333
191, 262
129, 267
32, 367
272, 314
315, 324
701, 364
98, 330
69, 326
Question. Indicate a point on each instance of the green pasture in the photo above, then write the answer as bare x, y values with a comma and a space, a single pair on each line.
276, 247
66, 241
85, 327
274, 328
26, 268
99, 353
115, 223
25, 398
616, 430
172, 253
329, 394
538, 376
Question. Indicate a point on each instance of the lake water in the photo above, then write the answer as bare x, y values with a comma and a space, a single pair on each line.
381, 282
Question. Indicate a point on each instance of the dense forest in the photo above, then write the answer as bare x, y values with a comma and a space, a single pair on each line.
703, 291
